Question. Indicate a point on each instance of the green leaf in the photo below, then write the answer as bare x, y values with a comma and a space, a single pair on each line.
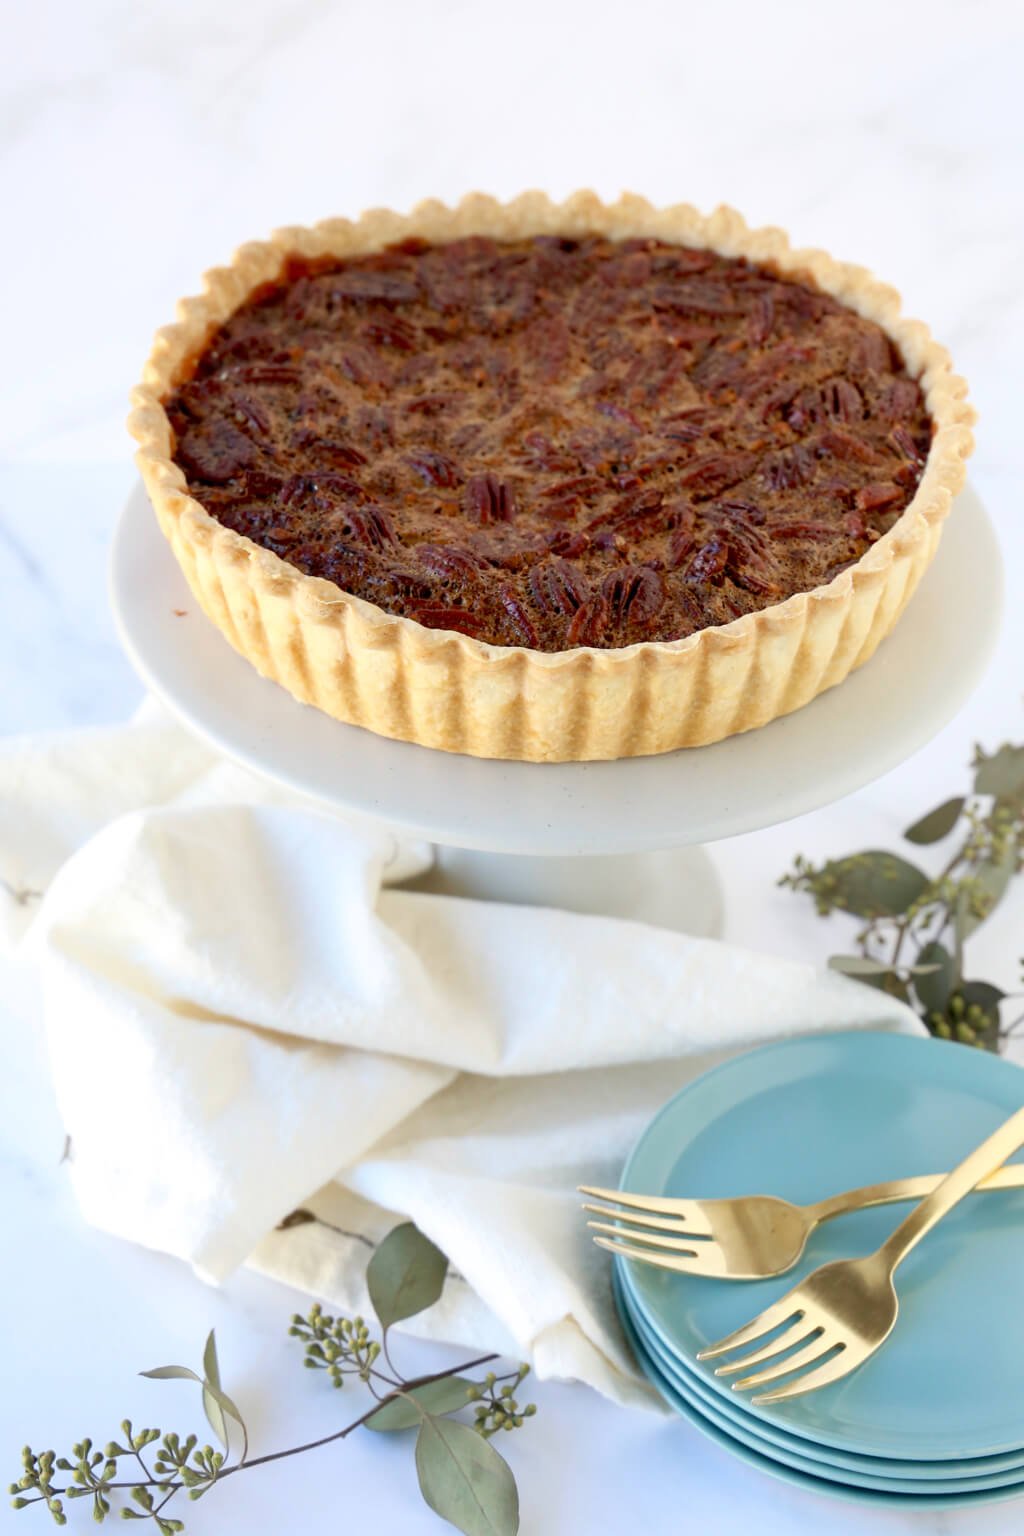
937, 824
216, 1404
875, 883
171, 1373
215, 1415
1001, 774
889, 983
437, 1397
961, 918
983, 993
858, 965
464, 1480
405, 1275
935, 986
992, 880
211, 1367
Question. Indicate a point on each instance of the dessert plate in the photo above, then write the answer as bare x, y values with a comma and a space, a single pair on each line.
884, 1498
802, 1119
836, 1466
733, 1417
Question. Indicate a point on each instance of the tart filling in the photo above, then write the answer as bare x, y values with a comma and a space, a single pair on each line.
365, 648
552, 442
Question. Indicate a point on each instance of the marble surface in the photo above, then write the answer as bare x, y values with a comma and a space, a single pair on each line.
138, 144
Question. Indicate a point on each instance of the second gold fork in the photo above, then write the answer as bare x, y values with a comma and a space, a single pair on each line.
750, 1237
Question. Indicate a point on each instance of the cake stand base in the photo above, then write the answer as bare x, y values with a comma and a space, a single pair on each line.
674, 888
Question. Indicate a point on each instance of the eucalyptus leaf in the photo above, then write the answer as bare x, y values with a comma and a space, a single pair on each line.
437, 1397
875, 884
935, 977
216, 1401
859, 965
211, 1366
984, 993
889, 983
216, 1404
938, 823
405, 1275
992, 881
215, 1416
464, 1480
171, 1373
961, 918
1002, 774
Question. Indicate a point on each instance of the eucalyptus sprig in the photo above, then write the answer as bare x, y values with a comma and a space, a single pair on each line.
916, 925
461, 1476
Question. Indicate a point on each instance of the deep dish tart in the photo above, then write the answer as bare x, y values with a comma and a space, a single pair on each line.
550, 481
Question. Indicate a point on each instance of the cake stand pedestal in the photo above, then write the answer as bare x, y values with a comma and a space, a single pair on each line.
617, 838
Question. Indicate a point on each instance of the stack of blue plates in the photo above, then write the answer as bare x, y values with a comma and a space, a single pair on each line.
936, 1417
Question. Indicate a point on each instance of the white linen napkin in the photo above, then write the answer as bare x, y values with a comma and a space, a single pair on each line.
263, 1050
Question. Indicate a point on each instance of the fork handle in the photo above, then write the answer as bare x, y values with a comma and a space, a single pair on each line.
993, 1151
894, 1191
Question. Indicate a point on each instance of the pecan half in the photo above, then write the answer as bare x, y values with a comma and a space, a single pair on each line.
871, 497
216, 451
371, 526
634, 595
708, 565
373, 287
489, 499
433, 468
520, 618
716, 472
557, 588
438, 616
446, 560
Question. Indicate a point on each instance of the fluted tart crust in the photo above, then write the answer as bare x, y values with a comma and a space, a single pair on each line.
550, 481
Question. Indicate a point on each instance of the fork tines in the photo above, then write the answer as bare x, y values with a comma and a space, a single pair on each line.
663, 1206
635, 1230
797, 1344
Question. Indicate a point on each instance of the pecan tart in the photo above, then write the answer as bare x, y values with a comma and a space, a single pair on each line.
549, 481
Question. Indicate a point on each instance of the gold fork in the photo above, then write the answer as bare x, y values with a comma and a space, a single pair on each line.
749, 1237
836, 1318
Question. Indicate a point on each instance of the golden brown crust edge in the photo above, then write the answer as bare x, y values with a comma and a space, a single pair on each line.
445, 690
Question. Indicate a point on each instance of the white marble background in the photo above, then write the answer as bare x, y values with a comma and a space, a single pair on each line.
138, 143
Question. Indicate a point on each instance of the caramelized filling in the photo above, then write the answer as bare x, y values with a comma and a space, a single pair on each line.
553, 442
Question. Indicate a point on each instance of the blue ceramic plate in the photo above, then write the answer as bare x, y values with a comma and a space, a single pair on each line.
790, 1474
733, 1417
803, 1119
883, 1476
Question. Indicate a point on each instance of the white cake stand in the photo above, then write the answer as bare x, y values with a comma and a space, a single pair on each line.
595, 837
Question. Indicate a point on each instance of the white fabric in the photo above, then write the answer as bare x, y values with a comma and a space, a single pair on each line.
245, 1020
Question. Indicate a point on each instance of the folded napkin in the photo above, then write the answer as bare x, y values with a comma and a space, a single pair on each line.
263, 1048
